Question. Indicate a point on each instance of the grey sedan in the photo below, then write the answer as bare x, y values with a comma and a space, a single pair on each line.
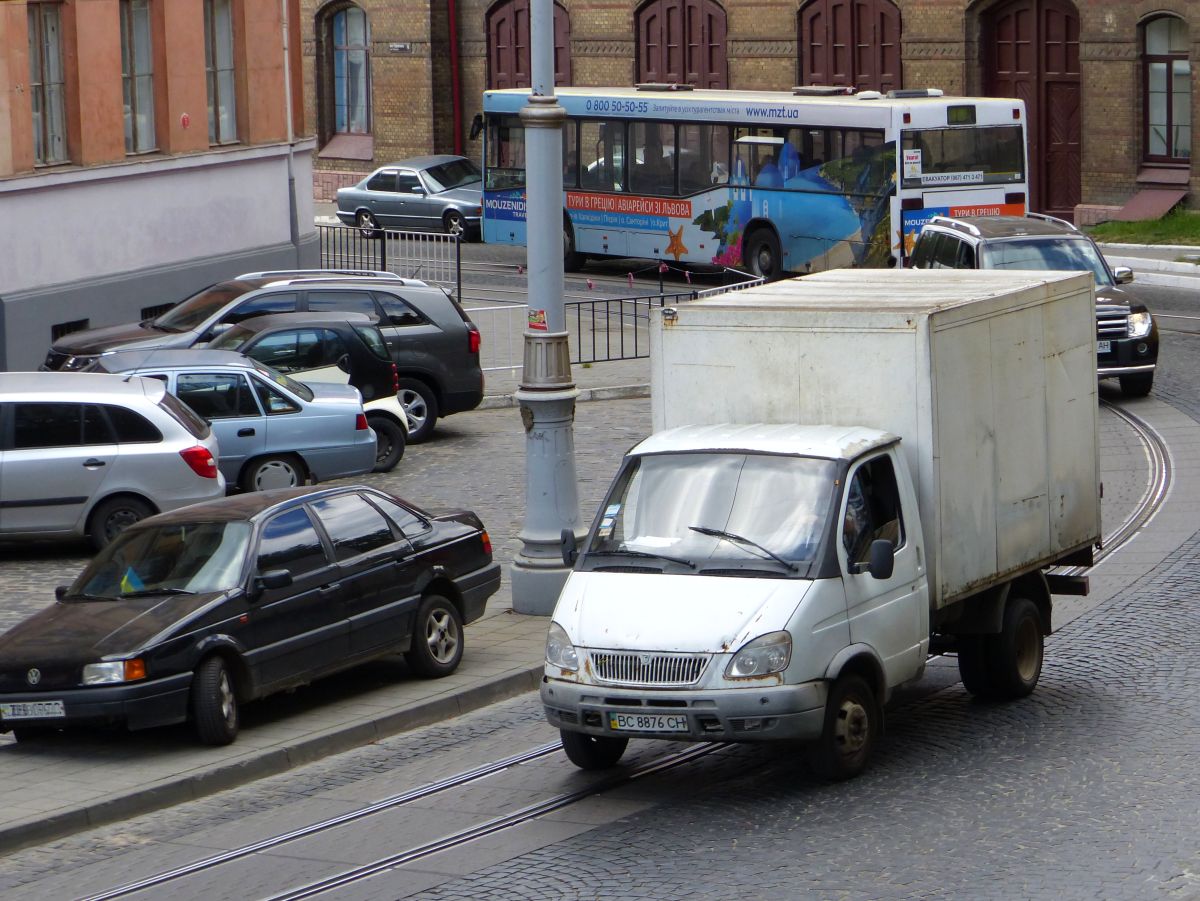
273, 432
442, 193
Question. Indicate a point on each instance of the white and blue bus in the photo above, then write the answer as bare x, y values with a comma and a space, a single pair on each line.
768, 182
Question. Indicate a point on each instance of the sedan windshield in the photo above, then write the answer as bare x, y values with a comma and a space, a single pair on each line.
454, 174
1047, 255
188, 314
710, 507
180, 558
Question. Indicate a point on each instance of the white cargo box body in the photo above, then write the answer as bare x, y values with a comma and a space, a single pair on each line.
988, 377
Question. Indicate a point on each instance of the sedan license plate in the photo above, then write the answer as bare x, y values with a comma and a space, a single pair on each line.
32, 710
647, 722
1103, 347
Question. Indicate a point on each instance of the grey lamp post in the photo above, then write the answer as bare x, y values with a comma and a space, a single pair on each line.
547, 393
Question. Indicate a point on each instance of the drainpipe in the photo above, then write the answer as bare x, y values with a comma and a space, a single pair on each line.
455, 82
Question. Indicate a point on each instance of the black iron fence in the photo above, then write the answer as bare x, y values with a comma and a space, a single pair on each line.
430, 256
615, 328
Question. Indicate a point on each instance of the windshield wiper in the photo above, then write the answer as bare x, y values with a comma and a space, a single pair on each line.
84, 596
150, 592
742, 539
629, 552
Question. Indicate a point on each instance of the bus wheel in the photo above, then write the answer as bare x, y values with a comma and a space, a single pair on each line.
762, 254
572, 260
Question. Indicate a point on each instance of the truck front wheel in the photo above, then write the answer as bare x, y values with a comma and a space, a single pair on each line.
853, 722
592, 752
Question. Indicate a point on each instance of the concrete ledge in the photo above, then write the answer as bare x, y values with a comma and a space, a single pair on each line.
616, 392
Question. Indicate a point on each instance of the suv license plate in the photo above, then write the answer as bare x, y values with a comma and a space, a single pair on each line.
1103, 347
32, 710
648, 722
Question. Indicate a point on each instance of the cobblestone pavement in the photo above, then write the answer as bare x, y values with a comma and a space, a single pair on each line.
1088, 789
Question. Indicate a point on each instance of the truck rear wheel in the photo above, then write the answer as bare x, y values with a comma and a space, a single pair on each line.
1007, 666
592, 752
853, 722
1017, 651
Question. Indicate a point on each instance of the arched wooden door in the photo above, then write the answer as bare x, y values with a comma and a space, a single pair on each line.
682, 42
1031, 51
508, 45
855, 43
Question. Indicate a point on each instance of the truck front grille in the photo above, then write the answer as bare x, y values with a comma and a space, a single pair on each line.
1112, 325
647, 669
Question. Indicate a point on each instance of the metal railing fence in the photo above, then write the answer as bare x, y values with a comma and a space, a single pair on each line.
430, 256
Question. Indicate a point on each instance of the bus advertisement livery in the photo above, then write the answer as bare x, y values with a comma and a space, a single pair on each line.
767, 182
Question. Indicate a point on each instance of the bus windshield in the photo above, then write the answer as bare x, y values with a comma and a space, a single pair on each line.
963, 156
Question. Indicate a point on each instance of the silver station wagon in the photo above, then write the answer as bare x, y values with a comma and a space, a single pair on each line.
274, 432
90, 454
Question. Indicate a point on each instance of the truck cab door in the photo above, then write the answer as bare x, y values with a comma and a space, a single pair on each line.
891, 615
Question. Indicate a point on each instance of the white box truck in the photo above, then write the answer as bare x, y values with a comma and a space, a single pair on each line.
848, 472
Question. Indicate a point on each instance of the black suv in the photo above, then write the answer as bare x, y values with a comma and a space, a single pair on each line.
429, 336
1126, 334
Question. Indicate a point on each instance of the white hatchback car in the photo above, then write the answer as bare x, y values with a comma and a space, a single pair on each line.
89, 454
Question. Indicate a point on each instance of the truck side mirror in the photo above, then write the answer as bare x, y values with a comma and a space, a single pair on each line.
1123, 275
570, 547
882, 559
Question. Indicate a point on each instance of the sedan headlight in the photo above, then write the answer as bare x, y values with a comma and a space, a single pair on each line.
114, 671
559, 650
766, 654
1140, 324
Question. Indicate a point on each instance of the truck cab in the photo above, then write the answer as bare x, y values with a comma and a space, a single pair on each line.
733, 579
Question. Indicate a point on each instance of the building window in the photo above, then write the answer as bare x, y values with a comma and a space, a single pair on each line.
1167, 76
508, 45
46, 83
851, 44
218, 63
351, 72
137, 76
682, 42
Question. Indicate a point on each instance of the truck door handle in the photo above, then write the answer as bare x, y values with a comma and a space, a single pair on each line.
92, 461
245, 433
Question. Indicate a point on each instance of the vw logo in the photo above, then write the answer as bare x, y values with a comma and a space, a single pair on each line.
34, 676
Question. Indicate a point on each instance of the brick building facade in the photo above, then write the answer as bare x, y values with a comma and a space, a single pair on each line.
147, 149
1104, 123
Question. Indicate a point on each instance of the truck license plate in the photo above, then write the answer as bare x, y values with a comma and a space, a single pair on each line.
647, 722
31, 710
1103, 347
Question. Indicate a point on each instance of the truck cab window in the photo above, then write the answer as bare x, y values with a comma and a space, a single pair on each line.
872, 509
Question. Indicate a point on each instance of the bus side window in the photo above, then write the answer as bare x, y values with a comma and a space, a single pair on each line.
602, 155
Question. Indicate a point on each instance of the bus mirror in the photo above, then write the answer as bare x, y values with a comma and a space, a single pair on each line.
476, 126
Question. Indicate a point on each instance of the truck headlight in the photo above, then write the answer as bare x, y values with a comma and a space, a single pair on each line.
1140, 324
114, 671
559, 650
766, 654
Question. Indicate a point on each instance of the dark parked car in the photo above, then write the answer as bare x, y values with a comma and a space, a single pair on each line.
442, 193
429, 335
343, 348
1126, 334
187, 615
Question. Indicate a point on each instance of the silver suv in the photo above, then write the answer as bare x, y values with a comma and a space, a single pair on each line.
89, 454
429, 336
1126, 334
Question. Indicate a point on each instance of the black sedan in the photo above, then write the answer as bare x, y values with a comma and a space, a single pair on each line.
188, 614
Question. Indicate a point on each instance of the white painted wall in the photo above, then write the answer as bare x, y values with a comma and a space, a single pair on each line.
65, 225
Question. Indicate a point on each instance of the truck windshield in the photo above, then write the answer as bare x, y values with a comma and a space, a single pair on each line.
779, 503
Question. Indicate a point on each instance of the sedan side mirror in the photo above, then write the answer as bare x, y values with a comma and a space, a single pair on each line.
1123, 275
570, 547
272, 579
882, 559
